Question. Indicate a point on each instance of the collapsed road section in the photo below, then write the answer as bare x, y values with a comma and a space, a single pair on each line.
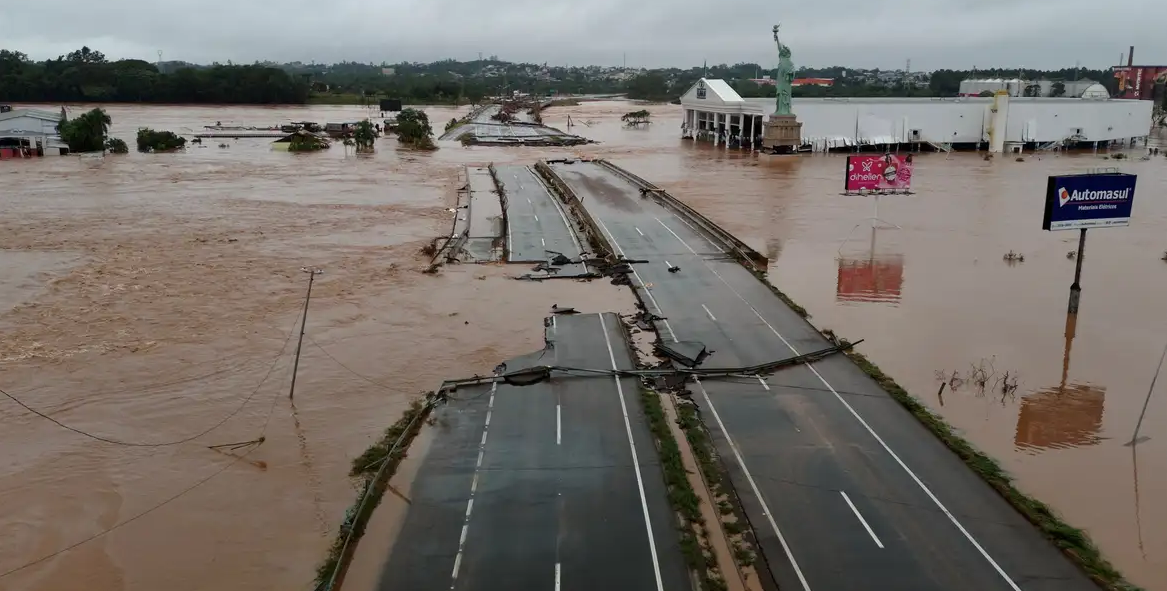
537, 227
843, 488
478, 220
507, 213
501, 125
543, 483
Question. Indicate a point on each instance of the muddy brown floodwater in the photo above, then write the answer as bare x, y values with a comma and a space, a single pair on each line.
145, 298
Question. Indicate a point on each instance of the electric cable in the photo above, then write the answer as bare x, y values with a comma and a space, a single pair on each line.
134, 518
350, 370
110, 440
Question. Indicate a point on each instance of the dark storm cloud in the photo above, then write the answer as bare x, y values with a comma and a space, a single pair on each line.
884, 33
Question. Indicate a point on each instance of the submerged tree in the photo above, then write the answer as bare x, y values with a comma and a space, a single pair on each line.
365, 136
159, 141
87, 132
303, 141
413, 129
116, 146
636, 118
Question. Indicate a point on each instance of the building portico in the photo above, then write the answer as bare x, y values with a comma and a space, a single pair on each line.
715, 112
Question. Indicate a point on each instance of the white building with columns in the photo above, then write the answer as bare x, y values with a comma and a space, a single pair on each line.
714, 112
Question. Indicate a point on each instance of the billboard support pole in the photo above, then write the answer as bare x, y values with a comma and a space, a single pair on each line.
875, 216
1076, 286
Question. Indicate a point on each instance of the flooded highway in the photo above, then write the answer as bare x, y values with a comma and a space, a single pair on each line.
146, 298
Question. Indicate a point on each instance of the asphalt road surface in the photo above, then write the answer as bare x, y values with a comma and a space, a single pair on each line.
536, 222
555, 486
844, 489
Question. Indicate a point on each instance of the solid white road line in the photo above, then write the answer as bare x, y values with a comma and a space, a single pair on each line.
861, 519
754, 486
699, 232
638, 231
473, 488
927, 491
643, 286
764, 384
558, 424
635, 460
709, 313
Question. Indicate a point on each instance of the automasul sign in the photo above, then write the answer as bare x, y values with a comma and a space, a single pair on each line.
1089, 201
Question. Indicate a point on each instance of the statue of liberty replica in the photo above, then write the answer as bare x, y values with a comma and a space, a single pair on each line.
783, 132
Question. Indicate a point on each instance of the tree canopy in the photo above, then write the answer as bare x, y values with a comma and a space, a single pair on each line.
86, 132
365, 136
86, 76
159, 141
413, 129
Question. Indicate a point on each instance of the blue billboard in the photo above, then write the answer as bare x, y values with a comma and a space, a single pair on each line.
1080, 201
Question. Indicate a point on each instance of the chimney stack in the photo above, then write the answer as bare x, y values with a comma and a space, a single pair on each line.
1130, 60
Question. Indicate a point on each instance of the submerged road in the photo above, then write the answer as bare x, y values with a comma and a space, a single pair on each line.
537, 224
843, 487
554, 486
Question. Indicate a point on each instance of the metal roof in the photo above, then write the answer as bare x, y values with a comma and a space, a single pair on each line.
723, 90
34, 113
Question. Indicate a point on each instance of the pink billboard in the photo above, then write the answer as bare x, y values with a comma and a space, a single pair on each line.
887, 172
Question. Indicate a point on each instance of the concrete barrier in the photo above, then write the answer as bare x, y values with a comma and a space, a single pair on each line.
746, 255
596, 239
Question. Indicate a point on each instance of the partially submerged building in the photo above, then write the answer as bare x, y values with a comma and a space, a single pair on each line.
714, 112
26, 133
301, 141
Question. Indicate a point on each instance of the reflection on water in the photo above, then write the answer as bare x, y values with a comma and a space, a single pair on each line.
870, 276
1064, 416
1060, 418
872, 280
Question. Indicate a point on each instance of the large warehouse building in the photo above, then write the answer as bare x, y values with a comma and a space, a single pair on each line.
714, 112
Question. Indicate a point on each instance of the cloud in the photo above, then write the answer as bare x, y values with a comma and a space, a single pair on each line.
885, 33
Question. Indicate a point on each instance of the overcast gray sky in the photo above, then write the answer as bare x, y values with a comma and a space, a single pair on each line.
860, 33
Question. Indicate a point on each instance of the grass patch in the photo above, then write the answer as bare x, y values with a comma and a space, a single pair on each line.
697, 435
367, 469
682, 497
1073, 542
761, 275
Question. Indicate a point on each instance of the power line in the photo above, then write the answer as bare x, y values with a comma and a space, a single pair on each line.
350, 370
270, 369
132, 519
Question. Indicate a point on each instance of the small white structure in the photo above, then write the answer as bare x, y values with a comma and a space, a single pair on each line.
30, 131
715, 112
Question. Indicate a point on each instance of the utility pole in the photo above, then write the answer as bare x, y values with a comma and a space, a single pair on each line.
312, 273
1076, 286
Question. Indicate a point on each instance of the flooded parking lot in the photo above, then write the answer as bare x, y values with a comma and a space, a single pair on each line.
153, 295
